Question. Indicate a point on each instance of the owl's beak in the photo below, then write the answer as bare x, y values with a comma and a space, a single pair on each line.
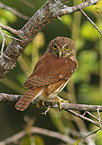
60, 54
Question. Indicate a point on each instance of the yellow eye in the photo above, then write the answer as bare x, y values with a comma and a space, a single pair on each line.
67, 47
54, 47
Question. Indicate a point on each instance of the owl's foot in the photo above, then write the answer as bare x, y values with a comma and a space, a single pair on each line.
60, 101
55, 100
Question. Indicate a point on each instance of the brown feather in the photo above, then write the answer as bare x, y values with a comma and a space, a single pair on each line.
50, 69
24, 102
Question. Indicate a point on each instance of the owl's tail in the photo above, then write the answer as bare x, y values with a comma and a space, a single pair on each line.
26, 99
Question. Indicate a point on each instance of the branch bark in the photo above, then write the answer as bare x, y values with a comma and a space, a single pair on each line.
49, 11
64, 106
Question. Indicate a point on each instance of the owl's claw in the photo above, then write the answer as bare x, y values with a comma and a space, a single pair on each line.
59, 100
62, 101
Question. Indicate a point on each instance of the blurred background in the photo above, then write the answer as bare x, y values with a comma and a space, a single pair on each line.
85, 86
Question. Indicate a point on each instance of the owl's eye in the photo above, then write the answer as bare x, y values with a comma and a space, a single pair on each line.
54, 47
67, 47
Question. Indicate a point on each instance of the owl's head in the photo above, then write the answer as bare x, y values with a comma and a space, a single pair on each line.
62, 47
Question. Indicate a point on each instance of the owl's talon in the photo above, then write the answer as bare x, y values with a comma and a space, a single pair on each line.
62, 101
59, 101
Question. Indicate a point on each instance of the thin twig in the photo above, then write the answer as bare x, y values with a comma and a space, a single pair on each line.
27, 3
13, 38
99, 117
91, 133
3, 43
11, 30
14, 11
91, 21
91, 115
83, 117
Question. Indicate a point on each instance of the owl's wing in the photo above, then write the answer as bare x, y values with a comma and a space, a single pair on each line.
51, 70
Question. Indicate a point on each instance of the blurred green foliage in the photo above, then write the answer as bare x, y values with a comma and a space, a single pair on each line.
98, 8
85, 85
6, 17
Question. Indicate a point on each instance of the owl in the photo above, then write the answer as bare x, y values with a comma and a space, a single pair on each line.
51, 73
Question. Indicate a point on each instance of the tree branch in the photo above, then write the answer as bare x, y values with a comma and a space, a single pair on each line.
64, 106
38, 130
67, 10
10, 30
48, 12
9, 97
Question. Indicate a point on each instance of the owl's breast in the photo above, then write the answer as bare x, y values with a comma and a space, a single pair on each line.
52, 90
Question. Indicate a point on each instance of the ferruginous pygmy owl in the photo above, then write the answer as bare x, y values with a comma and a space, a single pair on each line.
51, 73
